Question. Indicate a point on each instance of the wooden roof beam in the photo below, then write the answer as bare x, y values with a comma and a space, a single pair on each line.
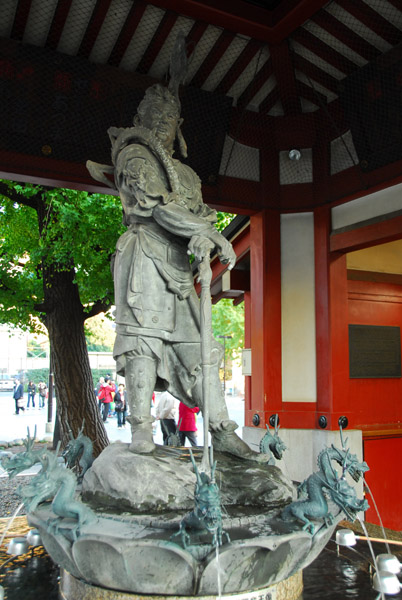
159, 38
58, 22
95, 23
214, 56
285, 77
345, 35
315, 74
127, 32
259, 80
239, 66
20, 19
329, 55
373, 20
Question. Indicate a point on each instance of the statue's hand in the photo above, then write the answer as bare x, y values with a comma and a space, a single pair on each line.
200, 246
225, 251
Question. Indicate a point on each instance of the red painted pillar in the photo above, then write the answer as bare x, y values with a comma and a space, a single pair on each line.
247, 344
339, 338
331, 324
265, 316
322, 218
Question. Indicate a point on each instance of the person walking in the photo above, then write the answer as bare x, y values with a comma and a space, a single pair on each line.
100, 394
31, 394
18, 396
187, 426
107, 398
42, 393
165, 412
120, 405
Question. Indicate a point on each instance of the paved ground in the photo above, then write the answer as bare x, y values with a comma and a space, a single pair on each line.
14, 426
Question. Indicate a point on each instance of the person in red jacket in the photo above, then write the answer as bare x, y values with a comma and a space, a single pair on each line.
106, 394
187, 426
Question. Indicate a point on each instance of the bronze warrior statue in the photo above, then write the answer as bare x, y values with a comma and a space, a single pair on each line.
157, 309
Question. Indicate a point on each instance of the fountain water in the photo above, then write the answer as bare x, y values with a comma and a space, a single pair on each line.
10, 522
370, 546
378, 514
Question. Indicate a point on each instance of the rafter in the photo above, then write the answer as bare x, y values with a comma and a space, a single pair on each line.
20, 19
373, 20
345, 35
285, 77
329, 55
259, 80
315, 73
194, 36
159, 38
310, 94
269, 102
243, 60
98, 16
127, 32
214, 55
57, 25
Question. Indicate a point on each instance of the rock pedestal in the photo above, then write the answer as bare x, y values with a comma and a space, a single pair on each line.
164, 481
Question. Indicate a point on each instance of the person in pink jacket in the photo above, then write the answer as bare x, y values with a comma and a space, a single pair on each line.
187, 428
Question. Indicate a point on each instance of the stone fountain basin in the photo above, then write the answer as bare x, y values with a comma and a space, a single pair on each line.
128, 546
134, 555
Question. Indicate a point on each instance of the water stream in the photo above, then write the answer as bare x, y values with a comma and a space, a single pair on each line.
370, 546
378, 514
10, 522
218, 569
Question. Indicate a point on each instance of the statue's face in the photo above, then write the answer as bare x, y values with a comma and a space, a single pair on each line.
162, 118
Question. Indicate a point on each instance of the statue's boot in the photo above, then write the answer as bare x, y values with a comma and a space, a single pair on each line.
140, 377
142, 438
224, 439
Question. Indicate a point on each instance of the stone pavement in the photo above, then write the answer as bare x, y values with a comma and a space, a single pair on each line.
14, 427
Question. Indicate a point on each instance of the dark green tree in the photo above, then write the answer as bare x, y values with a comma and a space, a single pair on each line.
56, 246
55, 252
228, 319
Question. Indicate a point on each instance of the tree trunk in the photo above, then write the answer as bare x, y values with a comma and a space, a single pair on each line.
76, 399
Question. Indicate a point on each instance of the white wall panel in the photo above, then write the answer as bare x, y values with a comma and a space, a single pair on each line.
298, 308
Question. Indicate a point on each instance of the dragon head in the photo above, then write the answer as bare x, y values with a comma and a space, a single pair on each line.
349, 463
344, 495
278, 448
208, 506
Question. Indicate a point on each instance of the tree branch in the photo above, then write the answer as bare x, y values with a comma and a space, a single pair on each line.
14, 196
99, 307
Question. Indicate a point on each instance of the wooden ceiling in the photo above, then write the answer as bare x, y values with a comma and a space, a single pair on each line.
280, 62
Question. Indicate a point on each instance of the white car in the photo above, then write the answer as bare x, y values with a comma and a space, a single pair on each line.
6, 383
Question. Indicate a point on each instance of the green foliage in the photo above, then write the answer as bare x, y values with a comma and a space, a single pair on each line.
20, 288
228, 319
36, 375
99, 334
60, 229
223, 220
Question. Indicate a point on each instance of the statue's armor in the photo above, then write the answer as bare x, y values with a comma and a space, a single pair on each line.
154, 290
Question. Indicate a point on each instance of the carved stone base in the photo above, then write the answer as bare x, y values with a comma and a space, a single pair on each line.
72, 588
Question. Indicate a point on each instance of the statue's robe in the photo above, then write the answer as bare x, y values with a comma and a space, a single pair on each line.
157, 308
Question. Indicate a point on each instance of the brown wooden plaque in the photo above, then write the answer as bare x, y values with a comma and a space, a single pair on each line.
374, 351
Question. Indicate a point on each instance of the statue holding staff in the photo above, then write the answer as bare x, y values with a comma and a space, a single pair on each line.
157, 309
